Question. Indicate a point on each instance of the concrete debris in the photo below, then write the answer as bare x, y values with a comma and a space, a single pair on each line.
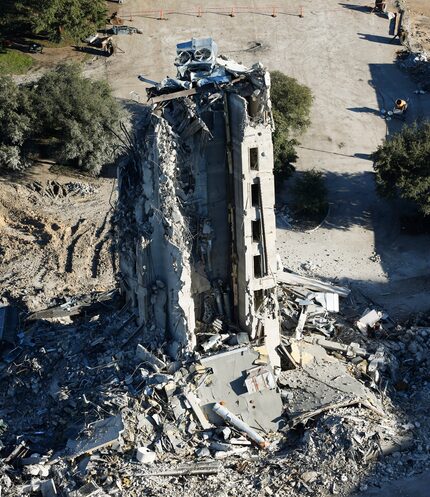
74, 306
368, 320
99, 419
329, 301
321, 383
48, 488
259, 378
295, 280
88, 490
261, 408
149, 359
96, 436
225, 414
145, 455
124, 30
206, 468
195, 406
54, 189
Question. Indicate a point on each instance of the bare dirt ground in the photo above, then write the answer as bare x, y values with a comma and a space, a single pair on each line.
347, 57
54, 242
419, 14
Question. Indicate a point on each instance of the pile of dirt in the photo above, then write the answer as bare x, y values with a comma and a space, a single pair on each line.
55, 239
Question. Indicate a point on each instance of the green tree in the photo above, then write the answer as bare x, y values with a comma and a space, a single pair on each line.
291, 102
57, 18
79, 116
15, 124
402, 166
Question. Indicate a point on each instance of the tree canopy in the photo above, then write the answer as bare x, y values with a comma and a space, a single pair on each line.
76, 117
56, 18
15, 124
402, 166
80, 115
291, 102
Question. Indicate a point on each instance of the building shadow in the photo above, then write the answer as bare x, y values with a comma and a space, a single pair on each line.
403, 254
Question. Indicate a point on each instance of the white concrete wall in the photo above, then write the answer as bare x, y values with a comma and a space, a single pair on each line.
244, 137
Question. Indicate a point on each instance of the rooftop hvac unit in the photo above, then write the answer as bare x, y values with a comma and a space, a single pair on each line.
198, 54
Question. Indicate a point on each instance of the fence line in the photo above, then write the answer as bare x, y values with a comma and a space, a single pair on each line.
160, 14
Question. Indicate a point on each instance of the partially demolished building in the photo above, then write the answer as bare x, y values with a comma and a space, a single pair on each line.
93, 406
196, 201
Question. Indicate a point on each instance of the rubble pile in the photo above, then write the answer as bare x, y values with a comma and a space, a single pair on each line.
418, 65
414, 58
89, 409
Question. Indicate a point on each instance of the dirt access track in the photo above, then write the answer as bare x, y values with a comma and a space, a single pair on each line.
346, 56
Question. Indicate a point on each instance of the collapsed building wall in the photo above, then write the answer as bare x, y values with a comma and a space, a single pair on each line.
196, 206
155, 237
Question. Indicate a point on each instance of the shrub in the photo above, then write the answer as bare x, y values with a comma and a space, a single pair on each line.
310, 194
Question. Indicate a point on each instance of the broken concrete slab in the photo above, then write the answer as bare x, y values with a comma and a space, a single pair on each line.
100, 434
259, 378
368, 319
145, 455
321, 383
225, 382
311, 284
149, 358
329, 300
197, 410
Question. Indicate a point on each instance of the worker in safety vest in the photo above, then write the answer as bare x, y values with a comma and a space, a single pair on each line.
400, 106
